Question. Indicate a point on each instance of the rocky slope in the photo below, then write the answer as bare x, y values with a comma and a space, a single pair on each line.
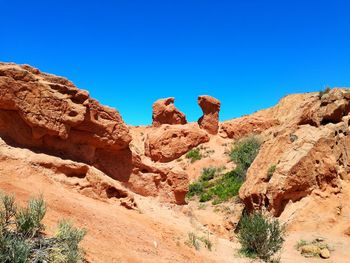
127, 184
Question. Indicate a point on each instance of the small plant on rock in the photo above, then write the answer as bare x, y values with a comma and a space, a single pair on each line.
323, 92
271, 171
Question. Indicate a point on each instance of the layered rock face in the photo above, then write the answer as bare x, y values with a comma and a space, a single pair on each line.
85, 179
210, 119
165, 112
49, 113
310, 150
168, 143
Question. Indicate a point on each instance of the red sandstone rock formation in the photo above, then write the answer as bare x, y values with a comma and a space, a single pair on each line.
165, 112
49, 114
159, 180
247, 125
210, 119
310, 150
85, 179
170, 142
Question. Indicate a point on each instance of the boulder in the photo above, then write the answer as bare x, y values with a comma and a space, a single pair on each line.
169, 142
165, 112
324, 253
311, 249
210, 119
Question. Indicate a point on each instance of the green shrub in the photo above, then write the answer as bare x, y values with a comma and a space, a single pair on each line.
194, 155
69, 238
222, 188
244, 152
323, 92
207, 174
28, 220
205, 197
271, 171
22, 239
226, 188
238, 172
195, 188
259, 236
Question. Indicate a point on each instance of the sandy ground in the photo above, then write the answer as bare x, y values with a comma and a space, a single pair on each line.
156, 233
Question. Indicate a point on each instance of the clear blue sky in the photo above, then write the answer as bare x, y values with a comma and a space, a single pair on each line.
129, 53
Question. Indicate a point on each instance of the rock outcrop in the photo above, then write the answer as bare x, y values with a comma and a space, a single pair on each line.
169, 142
310, 150
159, 180
49, 115
85, 179
165, 112
246, 126
210, 119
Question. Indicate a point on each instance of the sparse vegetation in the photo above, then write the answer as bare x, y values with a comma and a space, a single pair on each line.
260, 236
208, 174
219, 189
195, 241
22, 238
213, 185
194, 155
323, 92
244, 152
202, 206
271, 171
226, 187
195, 188
207, 243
